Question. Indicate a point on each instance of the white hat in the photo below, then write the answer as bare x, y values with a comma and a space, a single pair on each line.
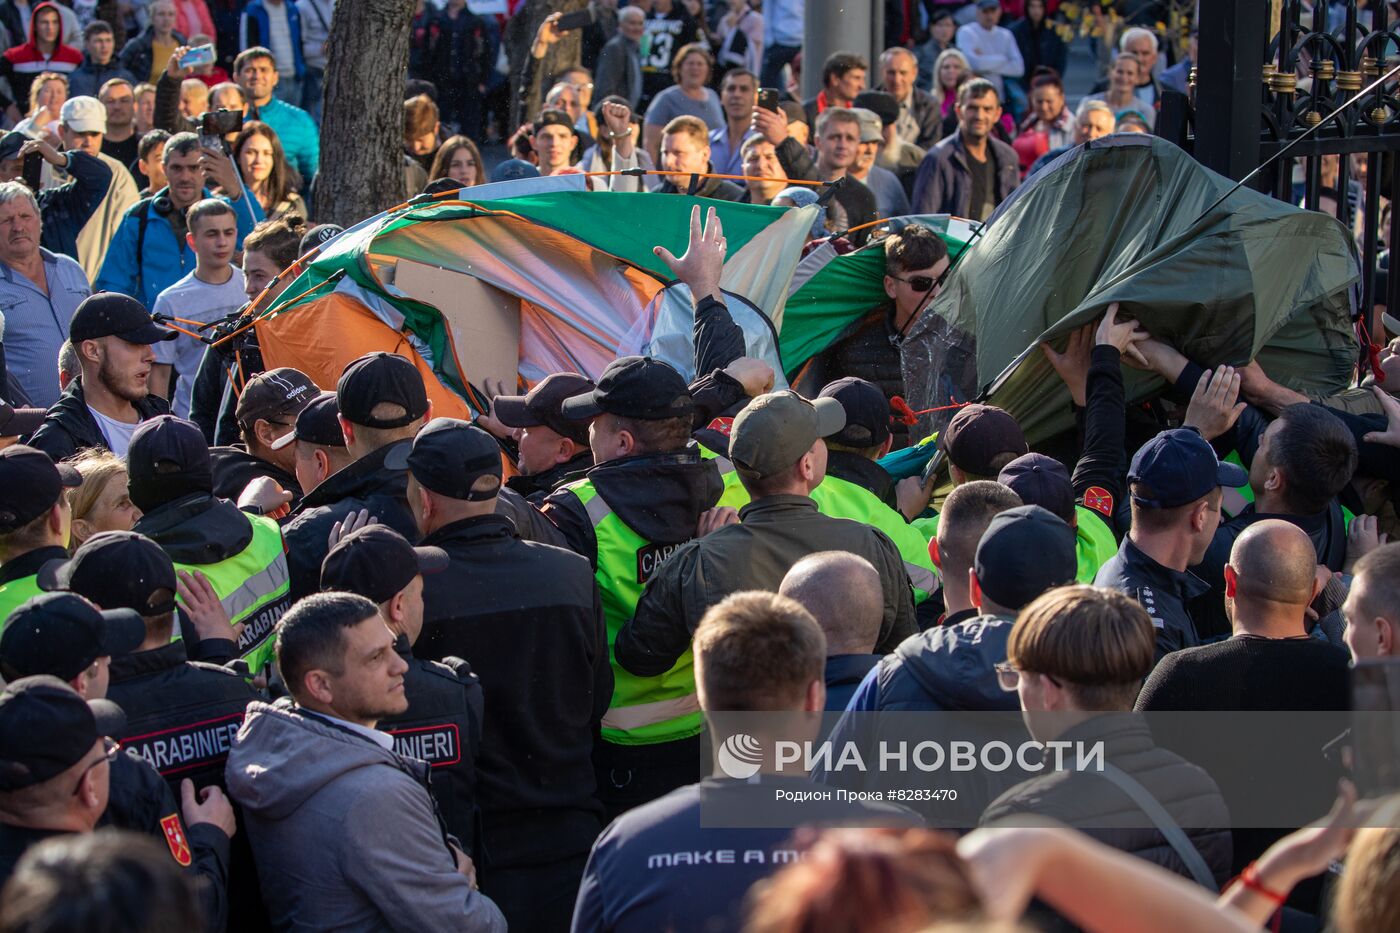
84, 115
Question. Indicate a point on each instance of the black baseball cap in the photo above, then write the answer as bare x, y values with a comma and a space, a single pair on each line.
977, 435
514, 170
62, 634
867, 412
448, 456
47, 728
20, 422
317, 423
554, 117
1040, 480
10, 145
879, 103
116, 570
381, 377
634, 387
377, 562
30, 484
1024, 552
542, 405
168, 458
319, 235
1177, 467
276, 393
112, 314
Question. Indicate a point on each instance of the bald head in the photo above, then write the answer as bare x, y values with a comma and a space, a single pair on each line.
1274, 561
842, 592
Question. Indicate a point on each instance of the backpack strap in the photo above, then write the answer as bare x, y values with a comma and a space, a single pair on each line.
142, 208
1176, 838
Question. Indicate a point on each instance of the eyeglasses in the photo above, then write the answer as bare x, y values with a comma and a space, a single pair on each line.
110, 748
920, 283
1009, 676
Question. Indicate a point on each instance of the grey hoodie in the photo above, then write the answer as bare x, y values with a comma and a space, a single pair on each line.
344, 832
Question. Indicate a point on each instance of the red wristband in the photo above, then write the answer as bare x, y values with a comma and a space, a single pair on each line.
1250, 879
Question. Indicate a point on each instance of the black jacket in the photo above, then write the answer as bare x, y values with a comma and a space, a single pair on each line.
442, 726
773, 533
364, 484
139, 800
69, 427
719, 189
868, 348
181, 715
1163, 592
659, 496
235, 468
68, 207
1091, 803
528, 617
136, 55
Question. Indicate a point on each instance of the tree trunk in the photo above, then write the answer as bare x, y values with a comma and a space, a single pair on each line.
520, 35
361, 170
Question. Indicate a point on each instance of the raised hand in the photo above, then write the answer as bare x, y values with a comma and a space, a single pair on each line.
1214, 407
703, 263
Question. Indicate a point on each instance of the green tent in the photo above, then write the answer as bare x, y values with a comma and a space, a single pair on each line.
1133, 219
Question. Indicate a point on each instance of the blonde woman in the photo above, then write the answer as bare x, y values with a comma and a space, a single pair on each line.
101, 503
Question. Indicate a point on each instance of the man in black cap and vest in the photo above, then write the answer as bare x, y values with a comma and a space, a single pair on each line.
442, 725
316, 442
34, 521
240, 555
67, 637
1175, 483
382, 403
181, 715
267, 409
553, 450
527, 616
112, 335
644, 498
777, 447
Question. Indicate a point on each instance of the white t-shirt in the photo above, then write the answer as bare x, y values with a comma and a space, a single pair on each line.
118, 433
194, 300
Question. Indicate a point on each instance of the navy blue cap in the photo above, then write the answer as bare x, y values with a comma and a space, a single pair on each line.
1178, 467
514, 169
168, 458
30, 484
318, 423
377, 562
1024, 552
1040, 480
448, 456
116, 570
62, 634
867, 411
47, 728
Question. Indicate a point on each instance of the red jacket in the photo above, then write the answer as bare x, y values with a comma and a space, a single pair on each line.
24, 63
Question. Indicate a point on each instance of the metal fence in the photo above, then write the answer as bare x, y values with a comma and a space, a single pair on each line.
1267, 75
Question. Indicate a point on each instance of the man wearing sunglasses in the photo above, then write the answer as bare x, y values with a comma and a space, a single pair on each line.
61, 637
55, 761
916, 259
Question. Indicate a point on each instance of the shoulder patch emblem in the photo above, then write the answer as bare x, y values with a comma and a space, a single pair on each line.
175, 838
722, 425
1100, 500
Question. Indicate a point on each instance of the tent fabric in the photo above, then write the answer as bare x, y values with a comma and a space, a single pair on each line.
588, 284
1132, 219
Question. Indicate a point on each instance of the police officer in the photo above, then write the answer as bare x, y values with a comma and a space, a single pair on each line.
527, 615
53, 774
242, 556
1175, 483
34, 520
382, 403
642, 500
553, 450
316, 441
267, 408
442, 725
65, 636
181, 715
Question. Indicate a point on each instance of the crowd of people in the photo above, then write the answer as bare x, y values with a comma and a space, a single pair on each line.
287, 656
